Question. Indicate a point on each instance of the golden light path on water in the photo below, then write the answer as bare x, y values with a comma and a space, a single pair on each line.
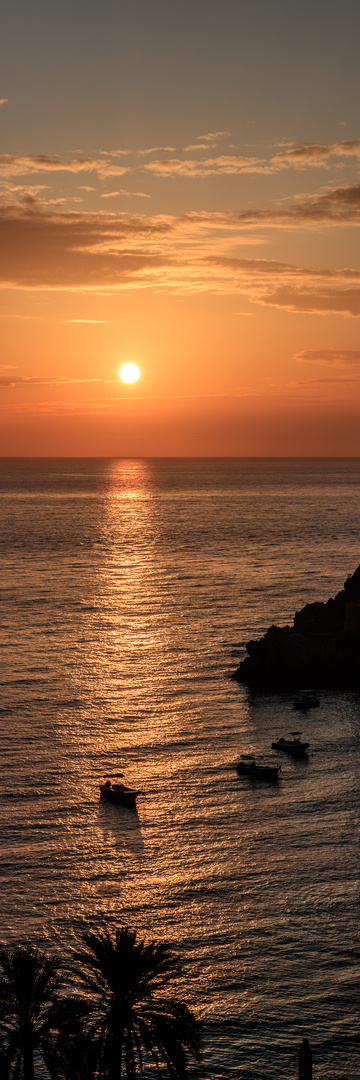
129, 595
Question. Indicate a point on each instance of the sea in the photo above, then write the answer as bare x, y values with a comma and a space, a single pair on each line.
129, 589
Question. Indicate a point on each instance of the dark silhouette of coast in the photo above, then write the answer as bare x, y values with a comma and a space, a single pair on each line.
321, 648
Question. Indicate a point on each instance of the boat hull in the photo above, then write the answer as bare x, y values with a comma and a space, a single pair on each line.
306, 702
295, 749
127, 797
258, 772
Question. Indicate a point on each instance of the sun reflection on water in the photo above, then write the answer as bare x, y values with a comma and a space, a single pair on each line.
121, 627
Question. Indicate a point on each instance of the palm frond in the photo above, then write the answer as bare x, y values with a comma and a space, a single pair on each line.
123, 979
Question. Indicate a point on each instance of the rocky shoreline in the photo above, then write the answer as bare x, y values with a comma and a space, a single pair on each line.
321, 648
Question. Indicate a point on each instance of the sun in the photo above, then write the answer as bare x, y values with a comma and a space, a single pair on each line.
129, 373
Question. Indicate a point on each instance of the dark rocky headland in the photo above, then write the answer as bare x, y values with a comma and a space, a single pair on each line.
321, 649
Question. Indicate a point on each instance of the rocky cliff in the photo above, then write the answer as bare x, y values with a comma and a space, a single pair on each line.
321, 648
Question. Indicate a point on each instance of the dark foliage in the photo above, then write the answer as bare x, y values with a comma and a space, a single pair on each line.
131, 1022
115, 1022
29, 985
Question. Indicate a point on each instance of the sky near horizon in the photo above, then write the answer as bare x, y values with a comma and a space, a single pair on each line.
180, 188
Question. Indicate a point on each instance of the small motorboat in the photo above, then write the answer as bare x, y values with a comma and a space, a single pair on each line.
292, 746
118, 793
249, 767
306, 700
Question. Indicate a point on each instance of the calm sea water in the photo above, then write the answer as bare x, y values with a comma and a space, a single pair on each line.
129, 588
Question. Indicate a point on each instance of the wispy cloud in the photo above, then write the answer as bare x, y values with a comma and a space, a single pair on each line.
115, 153
316, 153
174, 163
129, 194
320, 300
12, 165
220, 166
187, 254
329, 357
202, 143
326, 382
42, 380
3, 101
298, 157
211, 135
158, 150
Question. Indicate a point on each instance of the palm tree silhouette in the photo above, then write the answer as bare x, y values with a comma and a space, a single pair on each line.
130, 1021
37, 1018
29, 984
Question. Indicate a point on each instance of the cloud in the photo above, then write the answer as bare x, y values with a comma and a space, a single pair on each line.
316, 153
115, 153
12, 165
211, 135
344, 197
196, 146
329, 357
42, 380
319, 301
202, 143
292, 156
136, 194
107, 169
158, 150
224, 165
122, 191
64, 201
339, 206
326, 381
108, 163
282, 285
187, 254
3, 101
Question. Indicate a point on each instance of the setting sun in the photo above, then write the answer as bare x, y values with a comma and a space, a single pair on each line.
129, 373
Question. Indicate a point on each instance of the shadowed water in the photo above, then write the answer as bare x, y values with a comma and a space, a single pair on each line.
129, 589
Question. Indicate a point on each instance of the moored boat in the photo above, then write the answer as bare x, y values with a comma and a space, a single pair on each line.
306, 700
292, 746
249, 767
118, 793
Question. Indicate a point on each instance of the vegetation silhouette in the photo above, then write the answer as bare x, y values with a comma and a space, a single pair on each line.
104, 1017
130, 1022
29, 1004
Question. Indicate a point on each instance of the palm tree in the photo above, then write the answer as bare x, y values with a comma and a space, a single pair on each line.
29, 983
131, 1022
38, 1018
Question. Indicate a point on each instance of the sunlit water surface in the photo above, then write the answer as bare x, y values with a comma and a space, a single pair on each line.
129, 589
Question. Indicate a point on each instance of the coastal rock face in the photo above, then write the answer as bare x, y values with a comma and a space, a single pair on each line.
322, 648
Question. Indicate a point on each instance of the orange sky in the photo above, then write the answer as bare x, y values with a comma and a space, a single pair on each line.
184, 195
